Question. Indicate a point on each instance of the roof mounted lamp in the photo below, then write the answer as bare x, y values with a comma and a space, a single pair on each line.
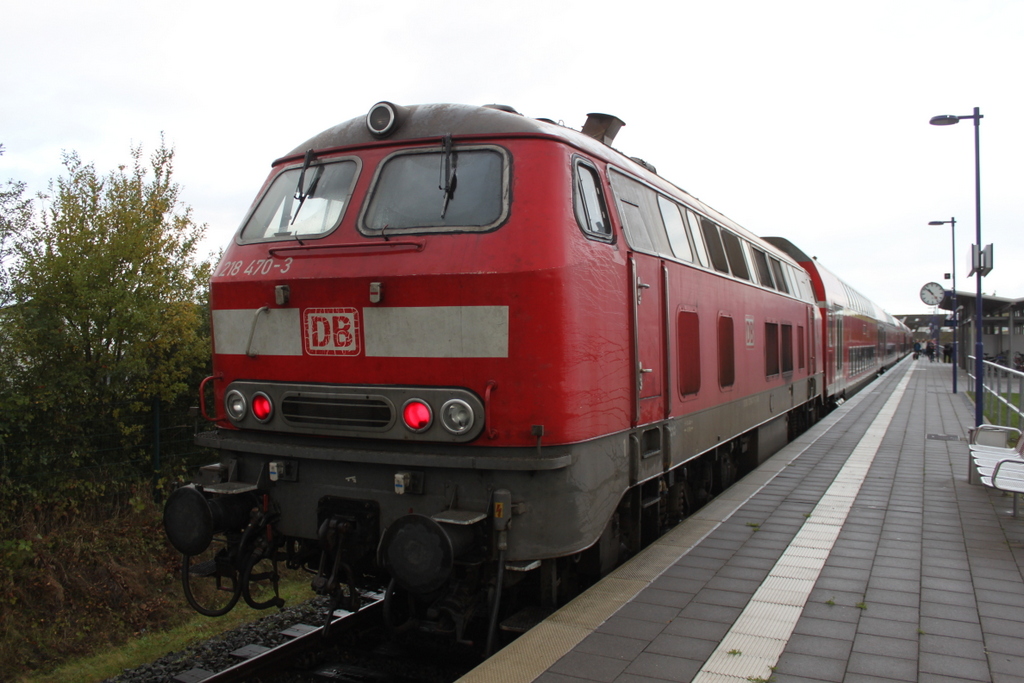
384, 118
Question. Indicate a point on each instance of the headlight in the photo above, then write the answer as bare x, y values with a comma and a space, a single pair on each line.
457, 416
234, 404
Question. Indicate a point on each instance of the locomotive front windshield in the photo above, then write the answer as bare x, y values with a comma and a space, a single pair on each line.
289, 211
456, 190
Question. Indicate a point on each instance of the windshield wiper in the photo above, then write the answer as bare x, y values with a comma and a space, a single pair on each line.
448, 173
299, 194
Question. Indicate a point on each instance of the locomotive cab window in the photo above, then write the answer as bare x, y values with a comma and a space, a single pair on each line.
303, 202
588, 199
455, 189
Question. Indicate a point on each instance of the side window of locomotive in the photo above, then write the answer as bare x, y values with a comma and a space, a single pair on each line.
780, 278
688, 336
764, 272
463, 189
676, 229
726, 352
698, 238
801, 348
589, 203
714, 243
734, 252
787, 348
771, 349
641, 219
633, 224
287, 210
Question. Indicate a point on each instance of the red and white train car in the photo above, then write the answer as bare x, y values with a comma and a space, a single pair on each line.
459, 348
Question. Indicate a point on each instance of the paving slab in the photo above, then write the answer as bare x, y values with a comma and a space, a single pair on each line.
922, 578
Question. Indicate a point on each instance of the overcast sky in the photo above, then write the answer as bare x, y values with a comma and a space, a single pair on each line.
806, 119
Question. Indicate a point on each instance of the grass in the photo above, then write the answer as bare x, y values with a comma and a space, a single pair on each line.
151, 646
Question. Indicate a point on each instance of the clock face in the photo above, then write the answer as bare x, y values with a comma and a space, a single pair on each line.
932, 293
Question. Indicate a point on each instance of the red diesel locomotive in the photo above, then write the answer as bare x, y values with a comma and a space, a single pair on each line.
459, 350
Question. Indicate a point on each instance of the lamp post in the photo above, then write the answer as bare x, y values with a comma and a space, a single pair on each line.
979, 346
952, 223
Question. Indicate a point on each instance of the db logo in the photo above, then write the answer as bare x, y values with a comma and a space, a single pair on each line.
330, 331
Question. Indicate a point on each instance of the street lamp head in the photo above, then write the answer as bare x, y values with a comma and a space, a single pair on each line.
944, 120
937, 222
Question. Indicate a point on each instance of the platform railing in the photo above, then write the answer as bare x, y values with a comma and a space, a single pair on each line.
1003, 393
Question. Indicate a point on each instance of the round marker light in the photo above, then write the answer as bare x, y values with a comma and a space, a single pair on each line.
417, 415
234, 404
381, 119
457, 416
262, 408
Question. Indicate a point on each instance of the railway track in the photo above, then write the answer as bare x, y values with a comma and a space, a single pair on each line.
301, 639
355, 649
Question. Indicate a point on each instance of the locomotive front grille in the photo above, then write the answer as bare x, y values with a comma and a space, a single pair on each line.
339, 412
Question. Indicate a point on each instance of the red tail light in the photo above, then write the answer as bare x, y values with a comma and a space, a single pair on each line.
417, 415
262, 408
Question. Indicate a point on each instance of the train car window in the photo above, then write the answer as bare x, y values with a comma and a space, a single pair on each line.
841, 341
771, 349
726, 352
406, 195
698, 238
734, 252
713, 240
676, 229
287, 211
591, 211
688, 336
780, 277
764, 271
786, 348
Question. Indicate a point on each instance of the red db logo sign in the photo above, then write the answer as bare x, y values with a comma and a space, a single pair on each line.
330, 331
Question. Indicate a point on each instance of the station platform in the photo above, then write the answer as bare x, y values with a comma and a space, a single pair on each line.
857, 553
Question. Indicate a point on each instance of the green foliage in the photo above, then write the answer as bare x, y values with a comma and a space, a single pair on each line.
15, 217
103, 317
83, 566
109, 312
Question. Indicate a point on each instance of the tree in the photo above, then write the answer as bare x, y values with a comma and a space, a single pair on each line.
15, 217
108, 309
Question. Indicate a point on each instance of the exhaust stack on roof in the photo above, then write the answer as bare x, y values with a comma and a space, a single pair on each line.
603, 127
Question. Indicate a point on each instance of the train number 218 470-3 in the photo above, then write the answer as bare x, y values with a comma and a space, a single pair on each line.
258, 267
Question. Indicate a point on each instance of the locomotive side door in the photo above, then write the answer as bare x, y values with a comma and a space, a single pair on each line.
645, 234
648, 276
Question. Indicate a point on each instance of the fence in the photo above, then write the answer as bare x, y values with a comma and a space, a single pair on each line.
159, 439
1003, 392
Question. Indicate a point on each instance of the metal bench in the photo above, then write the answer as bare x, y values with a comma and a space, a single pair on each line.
988, 445
1007, 475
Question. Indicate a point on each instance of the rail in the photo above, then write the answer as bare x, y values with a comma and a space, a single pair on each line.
1003, 393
